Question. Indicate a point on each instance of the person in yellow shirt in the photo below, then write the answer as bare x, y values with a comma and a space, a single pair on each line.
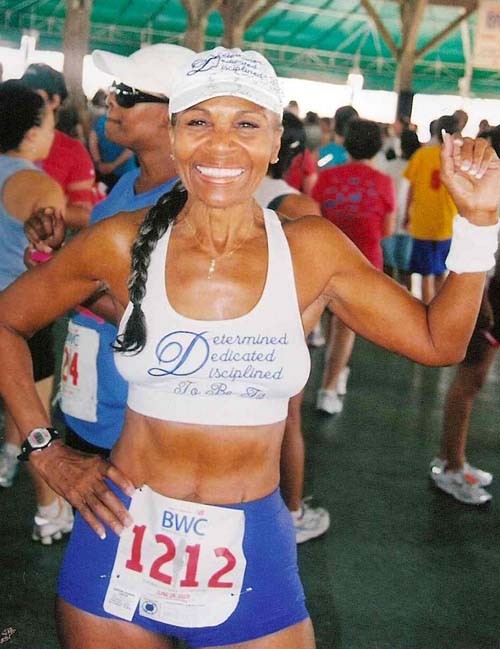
430, 212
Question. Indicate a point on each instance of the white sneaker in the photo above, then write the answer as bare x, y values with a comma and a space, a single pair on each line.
484, 478
47, 529
342, 381
329, 401
462, 486
310, 522
9, 464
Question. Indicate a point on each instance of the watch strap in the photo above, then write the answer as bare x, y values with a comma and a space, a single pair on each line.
27, 448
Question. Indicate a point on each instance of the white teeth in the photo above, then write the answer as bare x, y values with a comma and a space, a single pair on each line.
217, 172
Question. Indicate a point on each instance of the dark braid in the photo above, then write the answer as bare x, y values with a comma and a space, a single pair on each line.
152, 229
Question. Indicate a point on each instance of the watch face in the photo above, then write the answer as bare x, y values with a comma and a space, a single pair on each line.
39, 437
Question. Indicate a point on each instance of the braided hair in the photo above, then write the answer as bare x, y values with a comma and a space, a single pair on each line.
154, 226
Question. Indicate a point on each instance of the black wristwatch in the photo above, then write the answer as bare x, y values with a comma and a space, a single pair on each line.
37, 440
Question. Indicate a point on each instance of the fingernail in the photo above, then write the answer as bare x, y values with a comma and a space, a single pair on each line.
102, 535
118, 529
128, 520
465, 166
130, 491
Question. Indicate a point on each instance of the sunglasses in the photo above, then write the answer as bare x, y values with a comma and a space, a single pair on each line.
127, 97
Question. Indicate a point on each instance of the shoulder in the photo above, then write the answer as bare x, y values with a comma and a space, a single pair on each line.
310, 233
296, 205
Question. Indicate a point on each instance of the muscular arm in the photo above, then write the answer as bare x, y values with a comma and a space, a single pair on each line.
41, 295
377, 307
35, 299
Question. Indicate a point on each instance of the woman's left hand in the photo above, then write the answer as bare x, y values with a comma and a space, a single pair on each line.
470, 170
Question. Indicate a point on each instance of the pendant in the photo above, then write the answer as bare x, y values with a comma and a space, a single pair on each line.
211, 269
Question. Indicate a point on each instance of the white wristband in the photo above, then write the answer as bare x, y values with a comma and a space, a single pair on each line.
472, 247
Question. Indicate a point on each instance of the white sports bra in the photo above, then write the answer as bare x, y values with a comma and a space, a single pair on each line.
236, 372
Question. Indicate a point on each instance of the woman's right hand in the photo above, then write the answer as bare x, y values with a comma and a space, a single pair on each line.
45, 229
80, 479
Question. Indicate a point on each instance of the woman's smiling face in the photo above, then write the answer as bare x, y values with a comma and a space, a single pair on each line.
223, 147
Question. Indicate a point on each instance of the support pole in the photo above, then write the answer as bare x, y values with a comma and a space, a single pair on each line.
75, 46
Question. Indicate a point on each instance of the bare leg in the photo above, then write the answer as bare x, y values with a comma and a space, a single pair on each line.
292, 456
468, 382
340, 344
77, 629
428, 288
298, 636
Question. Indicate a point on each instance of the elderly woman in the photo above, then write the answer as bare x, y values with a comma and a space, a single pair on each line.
184, 534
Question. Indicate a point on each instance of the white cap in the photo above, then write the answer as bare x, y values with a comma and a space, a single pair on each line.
223, 72
153, 68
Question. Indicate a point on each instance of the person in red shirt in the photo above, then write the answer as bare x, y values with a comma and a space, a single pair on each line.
69, 162
361, 201
303, 171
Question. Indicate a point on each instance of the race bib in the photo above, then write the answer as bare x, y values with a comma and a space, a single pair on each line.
181, 563
79, 373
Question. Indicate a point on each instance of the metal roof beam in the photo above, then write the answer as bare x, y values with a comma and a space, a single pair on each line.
327, 13
445, 32
346, 14
304, 25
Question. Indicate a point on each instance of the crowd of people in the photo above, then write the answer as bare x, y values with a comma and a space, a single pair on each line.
197, 236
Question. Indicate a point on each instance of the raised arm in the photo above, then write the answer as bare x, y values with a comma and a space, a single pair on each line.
382, 311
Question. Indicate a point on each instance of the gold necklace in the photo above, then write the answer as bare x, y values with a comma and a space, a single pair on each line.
214, 260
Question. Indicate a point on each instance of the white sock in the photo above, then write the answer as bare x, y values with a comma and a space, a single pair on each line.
49, 511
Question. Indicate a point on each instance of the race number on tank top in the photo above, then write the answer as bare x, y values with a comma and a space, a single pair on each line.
78, 391
182, 563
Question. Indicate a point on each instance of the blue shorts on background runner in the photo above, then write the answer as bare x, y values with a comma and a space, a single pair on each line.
429, 257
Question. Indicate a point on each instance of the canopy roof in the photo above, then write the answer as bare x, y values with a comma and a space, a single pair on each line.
313, 39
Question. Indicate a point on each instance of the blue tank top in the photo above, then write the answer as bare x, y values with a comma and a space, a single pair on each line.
98, 417
236, 372
13, 241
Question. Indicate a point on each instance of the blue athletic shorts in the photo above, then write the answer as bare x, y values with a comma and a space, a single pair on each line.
397, 251
272, 596
428, 257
